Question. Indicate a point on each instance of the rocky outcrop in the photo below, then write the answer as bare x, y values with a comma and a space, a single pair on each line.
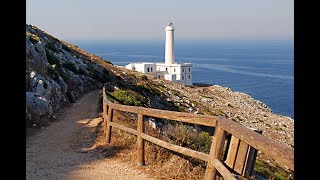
37, 106
56, 74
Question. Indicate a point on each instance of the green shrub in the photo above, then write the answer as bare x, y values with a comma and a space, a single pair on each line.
110, 98
177, 93
52, 47
272, 172
129, 97
183, 135
52, 71
52, 59
33, 38
72, 67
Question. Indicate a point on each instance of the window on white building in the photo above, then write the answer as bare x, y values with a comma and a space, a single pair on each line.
182, 77
158, 76
151, 69
189, 76
166, 69
174, 69
189, 69
148, 69
182, 69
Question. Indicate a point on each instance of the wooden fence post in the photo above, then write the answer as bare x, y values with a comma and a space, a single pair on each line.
104, 108
104, 114
215, 152
140, 141
109, 128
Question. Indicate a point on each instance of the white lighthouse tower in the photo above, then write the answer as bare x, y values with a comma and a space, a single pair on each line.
169, 70
169, 49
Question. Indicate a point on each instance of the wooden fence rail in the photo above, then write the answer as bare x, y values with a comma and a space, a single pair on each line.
214, 159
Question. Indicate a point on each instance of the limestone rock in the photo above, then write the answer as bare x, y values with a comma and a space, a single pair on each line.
36, 105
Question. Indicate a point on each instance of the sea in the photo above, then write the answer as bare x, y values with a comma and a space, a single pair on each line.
264, 69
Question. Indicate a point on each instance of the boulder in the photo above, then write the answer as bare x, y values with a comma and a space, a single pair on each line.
37, 105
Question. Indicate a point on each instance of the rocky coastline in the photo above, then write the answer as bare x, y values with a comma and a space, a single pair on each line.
58, 73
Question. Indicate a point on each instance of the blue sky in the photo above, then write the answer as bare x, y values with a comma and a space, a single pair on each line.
146, 19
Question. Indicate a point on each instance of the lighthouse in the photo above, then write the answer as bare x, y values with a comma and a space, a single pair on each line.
169, 49
169, 69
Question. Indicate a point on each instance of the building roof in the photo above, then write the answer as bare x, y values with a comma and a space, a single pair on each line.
162, 64
175, 64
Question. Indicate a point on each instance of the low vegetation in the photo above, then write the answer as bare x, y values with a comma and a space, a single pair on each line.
272, 171
33, 38
70, 66
52, 60
161, 163
52, 71
189, 137
129, 97
52, 47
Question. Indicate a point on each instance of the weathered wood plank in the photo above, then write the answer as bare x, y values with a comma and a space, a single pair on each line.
225, 173
241, 157
205, 120
104, 112
232, 152
140, 141
109, 127
273, 149
175, 148
216, 151
119, 126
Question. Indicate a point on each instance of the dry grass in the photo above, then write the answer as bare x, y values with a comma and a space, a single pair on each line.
160, 162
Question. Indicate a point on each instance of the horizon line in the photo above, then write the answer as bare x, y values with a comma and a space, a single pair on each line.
182, 39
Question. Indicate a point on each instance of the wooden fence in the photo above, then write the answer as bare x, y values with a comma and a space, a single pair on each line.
223, 127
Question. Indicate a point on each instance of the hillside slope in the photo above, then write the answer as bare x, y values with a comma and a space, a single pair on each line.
57, 73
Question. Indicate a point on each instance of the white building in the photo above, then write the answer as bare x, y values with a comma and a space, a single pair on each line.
169, 70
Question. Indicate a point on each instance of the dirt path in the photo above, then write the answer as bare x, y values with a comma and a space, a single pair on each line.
66, 149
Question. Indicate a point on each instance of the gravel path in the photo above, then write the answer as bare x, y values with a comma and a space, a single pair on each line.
66, 150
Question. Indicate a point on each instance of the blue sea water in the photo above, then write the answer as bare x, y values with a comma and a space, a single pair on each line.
263, 69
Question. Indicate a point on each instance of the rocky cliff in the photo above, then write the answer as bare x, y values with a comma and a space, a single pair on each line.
57, 73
